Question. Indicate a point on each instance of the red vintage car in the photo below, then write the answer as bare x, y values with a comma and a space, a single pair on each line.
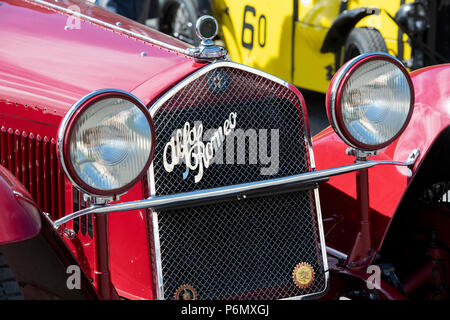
134, 166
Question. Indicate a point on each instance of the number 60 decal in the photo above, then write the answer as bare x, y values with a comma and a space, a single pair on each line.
262, 29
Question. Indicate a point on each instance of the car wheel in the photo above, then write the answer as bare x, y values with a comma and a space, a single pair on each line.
9, 288
363, 40
179, 21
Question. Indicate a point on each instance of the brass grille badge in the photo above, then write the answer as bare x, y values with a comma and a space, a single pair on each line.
303, 275
185, 292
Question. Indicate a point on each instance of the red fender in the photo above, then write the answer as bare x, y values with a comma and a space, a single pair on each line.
387, 184
35, 252
19, 216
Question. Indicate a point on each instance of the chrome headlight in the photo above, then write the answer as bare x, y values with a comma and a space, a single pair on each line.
370, 101
106, 142
412, 17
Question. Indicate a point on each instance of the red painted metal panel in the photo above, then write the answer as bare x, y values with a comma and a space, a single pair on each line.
40, 175
47, 68
129, 246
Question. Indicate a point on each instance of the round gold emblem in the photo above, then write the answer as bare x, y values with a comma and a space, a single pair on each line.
303, 275
185, 292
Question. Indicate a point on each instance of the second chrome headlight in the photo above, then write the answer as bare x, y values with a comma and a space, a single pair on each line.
370, 101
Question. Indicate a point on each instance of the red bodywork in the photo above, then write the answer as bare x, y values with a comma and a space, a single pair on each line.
45, 69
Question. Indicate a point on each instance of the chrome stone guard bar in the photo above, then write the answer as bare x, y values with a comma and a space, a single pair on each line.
239, 191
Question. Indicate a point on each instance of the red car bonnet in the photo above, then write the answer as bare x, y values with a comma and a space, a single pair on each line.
48, 65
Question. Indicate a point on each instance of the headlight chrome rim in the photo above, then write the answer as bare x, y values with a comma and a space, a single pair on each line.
65, 131
334, 97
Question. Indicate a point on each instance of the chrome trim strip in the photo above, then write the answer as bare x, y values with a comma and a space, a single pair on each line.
322, 239
115, 27
175, 200
336, 253
155, 107
157, 252
158, 278
308, 141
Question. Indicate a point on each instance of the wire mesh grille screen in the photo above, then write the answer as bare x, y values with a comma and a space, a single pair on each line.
241, 249
237, 249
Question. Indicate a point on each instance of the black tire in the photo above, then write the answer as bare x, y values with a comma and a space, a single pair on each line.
9, 288
178, 20
363, 40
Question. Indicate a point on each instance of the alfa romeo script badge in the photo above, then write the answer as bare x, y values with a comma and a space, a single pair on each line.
187, 145
303, 275
185, 292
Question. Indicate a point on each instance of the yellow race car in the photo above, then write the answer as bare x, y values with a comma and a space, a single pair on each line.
306, 41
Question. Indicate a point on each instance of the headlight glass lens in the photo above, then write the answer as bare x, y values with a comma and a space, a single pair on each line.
110, 144
375, 102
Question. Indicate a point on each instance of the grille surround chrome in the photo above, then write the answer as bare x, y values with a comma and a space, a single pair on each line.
159, 288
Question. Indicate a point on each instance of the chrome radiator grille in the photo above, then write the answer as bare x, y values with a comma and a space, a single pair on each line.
239, 249
259, 103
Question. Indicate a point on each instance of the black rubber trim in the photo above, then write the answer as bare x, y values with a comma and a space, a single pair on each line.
342, 26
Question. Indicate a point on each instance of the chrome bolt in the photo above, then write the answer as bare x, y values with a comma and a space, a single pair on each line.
69, 234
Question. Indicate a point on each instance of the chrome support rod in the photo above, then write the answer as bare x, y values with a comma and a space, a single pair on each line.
231, 191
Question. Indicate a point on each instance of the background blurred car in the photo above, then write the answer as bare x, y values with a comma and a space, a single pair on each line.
143, 11
305, 42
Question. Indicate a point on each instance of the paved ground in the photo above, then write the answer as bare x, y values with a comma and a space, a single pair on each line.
315, 103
